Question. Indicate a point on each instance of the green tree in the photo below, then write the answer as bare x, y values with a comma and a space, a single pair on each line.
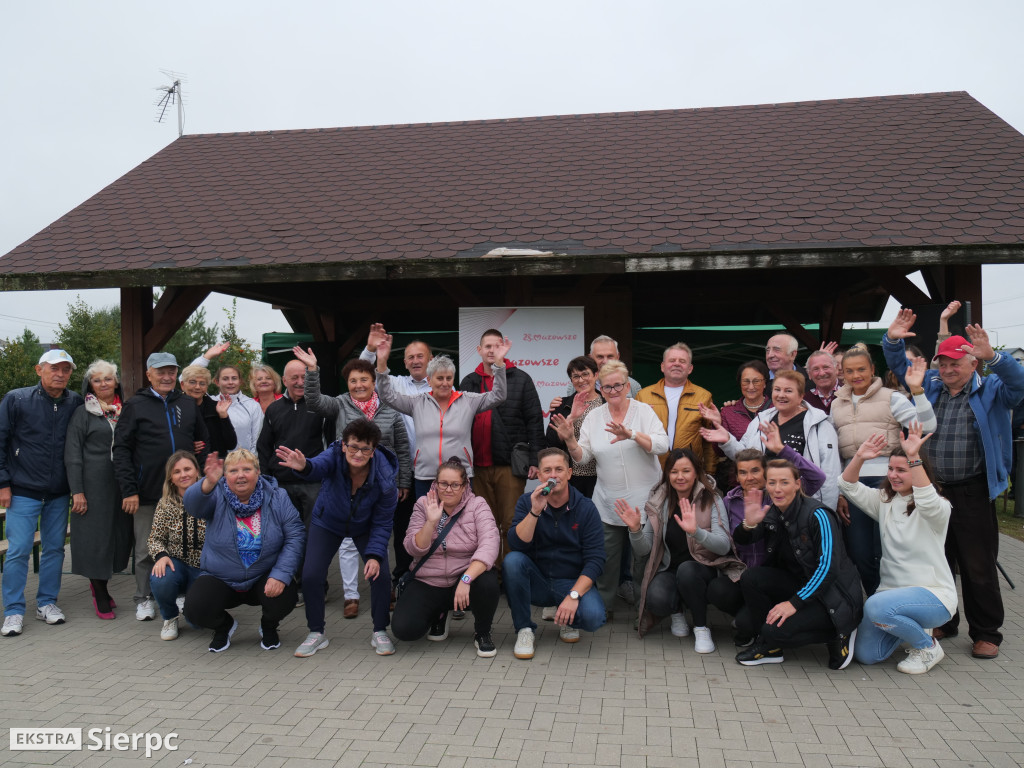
90, 334
240, 354
192, 339
18, 360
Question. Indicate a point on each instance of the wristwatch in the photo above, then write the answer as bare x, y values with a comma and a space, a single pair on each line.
466, 579
574, 595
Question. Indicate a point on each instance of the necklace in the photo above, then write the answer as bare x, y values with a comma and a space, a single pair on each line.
754, 408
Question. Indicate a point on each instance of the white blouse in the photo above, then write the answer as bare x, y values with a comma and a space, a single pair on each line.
624, 469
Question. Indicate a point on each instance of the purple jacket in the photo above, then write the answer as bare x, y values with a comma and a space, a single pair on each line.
812, 479
474, 537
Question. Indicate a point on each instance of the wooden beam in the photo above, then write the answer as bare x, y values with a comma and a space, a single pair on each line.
833, 317
176, 305
136, 322
901, 288
790, 323
610, 313
459, 292
963, 282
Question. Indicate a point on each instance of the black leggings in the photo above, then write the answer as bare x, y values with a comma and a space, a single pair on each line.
421, 604
764, 588
209, 598
688, 586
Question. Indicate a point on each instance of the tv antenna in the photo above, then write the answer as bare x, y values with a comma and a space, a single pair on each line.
172, 95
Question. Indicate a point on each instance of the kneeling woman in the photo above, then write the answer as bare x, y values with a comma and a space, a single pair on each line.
454, 574
916, 589
252, 552
176, 542
687, 544
808, 590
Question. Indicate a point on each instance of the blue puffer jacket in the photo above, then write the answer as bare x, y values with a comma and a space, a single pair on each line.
282, 536
32, 430
373, 509
992, 399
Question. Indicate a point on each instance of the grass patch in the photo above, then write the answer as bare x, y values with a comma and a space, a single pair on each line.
1008, 524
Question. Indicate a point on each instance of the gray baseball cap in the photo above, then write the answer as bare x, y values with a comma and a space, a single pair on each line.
161, 360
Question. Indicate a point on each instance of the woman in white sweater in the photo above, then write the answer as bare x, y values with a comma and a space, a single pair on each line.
916, 591
626, 437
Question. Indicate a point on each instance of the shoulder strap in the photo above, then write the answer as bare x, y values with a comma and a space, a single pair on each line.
437, 541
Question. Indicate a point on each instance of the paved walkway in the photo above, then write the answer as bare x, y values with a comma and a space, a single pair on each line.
610, 699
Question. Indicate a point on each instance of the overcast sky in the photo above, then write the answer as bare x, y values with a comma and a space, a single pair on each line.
79, 83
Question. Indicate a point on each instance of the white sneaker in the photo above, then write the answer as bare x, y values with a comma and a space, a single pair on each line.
146, 610
170, 629
51, 614
314, 642
180, 602
568, 634
679, 626
12, 625
382, 643
702, 642
524, 644
920, 660
548, 612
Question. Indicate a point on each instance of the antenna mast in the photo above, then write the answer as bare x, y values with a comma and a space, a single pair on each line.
172, 94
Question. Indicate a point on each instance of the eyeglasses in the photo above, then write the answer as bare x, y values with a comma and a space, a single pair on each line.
612, 387
751, 382
449, 486
351, 448
196, 382
581, 376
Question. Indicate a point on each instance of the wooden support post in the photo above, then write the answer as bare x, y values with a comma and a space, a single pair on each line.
176, 305
963, 282
833, 317
610, 313
798, 332
136, 322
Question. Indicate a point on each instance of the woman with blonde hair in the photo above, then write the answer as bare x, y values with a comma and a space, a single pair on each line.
265, 385
175, 541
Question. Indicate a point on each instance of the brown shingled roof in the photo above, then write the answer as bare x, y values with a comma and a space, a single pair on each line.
922, 170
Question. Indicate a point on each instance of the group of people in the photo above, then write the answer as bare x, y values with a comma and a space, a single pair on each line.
820, 507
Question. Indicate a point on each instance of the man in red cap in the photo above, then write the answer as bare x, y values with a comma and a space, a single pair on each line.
970, 453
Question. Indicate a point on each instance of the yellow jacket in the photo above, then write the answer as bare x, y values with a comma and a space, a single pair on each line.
688, 422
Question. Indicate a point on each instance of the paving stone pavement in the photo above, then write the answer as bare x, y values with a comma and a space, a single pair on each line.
610, 699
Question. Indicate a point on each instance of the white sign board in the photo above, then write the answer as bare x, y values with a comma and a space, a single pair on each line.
544, 340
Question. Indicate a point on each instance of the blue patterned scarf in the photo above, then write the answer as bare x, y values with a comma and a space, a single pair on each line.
243, 509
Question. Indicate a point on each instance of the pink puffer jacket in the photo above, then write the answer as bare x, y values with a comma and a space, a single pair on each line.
474, 537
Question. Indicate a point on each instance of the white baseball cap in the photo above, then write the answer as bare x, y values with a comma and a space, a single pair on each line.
55, 356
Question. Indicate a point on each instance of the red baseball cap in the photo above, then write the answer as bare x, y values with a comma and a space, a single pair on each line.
951, 348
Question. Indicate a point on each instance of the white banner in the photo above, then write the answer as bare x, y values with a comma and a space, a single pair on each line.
544, 340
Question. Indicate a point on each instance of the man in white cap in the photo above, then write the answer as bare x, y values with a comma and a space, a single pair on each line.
157, 421
34, 486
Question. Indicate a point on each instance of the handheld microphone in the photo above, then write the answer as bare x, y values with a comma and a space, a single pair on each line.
549, 486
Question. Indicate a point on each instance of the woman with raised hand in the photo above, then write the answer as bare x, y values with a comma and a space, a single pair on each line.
457, 575
583, 375
625, 437
265, 385
916, 591
807, 590
443, 417
101, 529
176, 541
195, 382
686, 541
862, 408
252, 551
245, 413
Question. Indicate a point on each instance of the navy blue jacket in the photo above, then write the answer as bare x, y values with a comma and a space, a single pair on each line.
282, 536
372, 511
566, 547
149, 430
32, 430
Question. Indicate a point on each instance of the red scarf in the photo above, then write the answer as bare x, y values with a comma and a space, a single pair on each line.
368, 407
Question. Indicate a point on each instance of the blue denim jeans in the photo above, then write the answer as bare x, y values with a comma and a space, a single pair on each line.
864, 541
893, 616
525, 585
166, 589
22, 517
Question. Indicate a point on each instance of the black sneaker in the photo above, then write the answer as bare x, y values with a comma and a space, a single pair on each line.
222, 638
840, 650
269, 639
743, 641
484, 645
439, 629
760, 654
458, 615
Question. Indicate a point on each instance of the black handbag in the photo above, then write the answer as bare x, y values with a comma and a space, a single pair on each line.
409, 575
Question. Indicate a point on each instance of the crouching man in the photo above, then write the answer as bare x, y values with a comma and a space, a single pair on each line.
556, 553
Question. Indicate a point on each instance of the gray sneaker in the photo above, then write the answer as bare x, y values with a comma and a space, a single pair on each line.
314, 642
381, 642
13, 625
51, 614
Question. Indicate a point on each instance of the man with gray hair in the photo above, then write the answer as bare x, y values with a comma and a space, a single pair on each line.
34, 486
780, 354
155, 422
603, 349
